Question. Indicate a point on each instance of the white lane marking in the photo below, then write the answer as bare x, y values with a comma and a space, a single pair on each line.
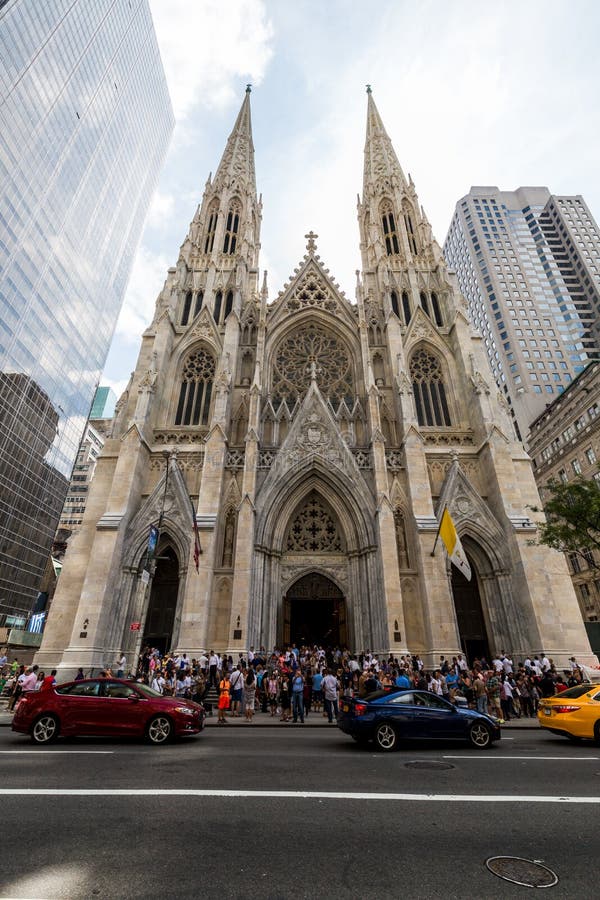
70, 752
297, 795
492, 758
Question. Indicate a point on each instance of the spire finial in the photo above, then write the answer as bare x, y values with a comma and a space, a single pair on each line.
310, 237
248, 88
369, 91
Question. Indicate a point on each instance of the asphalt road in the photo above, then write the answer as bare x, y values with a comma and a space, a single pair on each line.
282, 813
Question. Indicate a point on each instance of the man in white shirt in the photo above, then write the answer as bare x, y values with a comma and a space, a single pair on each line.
507, 664
213, 665
120, 664
545, 663
158, 683
330, 687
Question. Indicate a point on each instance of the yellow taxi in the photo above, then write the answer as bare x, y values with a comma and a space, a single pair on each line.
574, 713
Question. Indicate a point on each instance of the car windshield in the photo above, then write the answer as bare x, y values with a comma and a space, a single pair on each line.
578, 691
147, 691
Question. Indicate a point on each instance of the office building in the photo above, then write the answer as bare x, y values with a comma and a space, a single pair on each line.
85, 121
564, 443
528, 263
104, 404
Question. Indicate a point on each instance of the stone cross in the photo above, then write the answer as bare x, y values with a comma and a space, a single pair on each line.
310, 237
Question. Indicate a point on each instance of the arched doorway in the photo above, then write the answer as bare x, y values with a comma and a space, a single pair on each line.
469, 614
314, 612
158, 628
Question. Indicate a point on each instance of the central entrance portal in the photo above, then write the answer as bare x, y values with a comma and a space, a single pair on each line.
314, 612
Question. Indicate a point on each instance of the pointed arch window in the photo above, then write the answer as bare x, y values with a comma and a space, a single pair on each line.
197, 378
412, 242
228, 304
211, 230
187, 305
217, 308
395, 305
406, 307
389, 230
428, 389
437, 309
231, 229
424, 302
199, 301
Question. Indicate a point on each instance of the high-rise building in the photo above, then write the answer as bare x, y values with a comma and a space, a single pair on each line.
528, 263
320, 440
85, 121
104, 403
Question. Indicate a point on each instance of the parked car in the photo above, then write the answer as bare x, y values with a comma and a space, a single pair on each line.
574, 713
388, 718
105, 706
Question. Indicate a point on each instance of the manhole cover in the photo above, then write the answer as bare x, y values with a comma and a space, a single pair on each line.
521, 871
426, 764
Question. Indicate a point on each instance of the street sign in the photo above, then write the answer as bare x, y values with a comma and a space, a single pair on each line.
145, 576
135, 626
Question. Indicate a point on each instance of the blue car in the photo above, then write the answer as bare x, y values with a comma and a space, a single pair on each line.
389, 717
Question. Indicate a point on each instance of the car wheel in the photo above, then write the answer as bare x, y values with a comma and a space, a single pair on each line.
45, 729
386, 737
479, 735
159, 730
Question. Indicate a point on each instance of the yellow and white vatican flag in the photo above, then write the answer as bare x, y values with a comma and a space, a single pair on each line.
453, 546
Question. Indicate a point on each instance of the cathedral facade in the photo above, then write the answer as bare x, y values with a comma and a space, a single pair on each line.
316, 441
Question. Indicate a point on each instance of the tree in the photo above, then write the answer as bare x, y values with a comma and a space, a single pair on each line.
572, 517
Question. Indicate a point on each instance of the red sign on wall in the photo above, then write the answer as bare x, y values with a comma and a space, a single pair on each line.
135, 626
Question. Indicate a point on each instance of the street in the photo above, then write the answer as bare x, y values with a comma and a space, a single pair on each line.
293, 812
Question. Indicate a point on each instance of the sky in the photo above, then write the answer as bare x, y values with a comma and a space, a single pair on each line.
470, 93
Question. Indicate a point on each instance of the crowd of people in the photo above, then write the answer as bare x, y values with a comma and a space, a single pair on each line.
293, 683
296, 682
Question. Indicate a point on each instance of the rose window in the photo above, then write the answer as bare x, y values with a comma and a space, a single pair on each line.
312, 349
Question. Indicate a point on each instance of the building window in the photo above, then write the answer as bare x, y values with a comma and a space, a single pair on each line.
196, 388
217, 309
424, 302
406, 306
590, 455
576, 466
395, 306
199, 299
187, 305
231, 230
437, 310
211, 230
389, 231
575, 562
428, 389
228, 304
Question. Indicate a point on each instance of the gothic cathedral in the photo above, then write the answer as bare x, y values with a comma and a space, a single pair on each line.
317, 442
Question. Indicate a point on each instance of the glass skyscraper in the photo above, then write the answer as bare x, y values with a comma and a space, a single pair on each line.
85, 122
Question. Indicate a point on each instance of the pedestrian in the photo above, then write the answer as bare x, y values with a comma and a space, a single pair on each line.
120, 664
272, 688
224, 699
237, 689
249, 694
330, 694
298, 696
284, 697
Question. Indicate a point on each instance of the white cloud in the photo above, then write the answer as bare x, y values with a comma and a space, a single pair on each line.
147, 278
206, 46
161, 210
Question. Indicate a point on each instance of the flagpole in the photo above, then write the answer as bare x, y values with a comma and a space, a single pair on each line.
438, 531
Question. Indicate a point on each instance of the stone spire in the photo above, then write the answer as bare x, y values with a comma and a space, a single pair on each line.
236, 168
382, 169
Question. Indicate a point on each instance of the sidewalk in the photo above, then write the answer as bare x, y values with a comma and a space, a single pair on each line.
314, 720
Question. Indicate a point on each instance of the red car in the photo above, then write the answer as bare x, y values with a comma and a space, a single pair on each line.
105, 706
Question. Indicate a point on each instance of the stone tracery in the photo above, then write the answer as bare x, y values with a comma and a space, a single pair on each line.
292, 366
314, 529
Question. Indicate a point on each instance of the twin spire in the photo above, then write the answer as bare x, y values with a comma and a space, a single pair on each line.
381, 162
